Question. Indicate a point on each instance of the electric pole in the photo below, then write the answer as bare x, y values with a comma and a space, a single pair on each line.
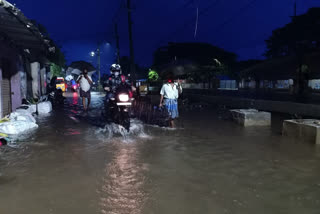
117, 41
132, 64
99, 63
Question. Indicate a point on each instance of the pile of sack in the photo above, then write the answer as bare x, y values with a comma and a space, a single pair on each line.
20, 121
41, 108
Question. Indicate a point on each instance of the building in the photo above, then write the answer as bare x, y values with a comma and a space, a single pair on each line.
282, 73
23, 59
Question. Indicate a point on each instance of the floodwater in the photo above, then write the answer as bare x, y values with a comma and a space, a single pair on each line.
74, 164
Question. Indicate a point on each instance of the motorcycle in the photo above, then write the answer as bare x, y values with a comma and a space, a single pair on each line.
119, 105
74, 88
56, 97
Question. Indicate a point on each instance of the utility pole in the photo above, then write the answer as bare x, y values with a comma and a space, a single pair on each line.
117, 41
295, 9
99, 63
132, 66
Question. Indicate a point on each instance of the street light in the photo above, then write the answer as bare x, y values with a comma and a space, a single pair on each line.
97, 53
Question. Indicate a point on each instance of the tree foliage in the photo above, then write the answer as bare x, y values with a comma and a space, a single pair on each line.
56, 70
301, 35
205, 73
58, 57
199, 53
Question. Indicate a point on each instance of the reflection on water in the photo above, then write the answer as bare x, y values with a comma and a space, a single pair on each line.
78, 164
122, 188
75, 98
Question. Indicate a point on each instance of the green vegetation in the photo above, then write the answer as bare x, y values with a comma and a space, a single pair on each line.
56, 70
153, 76
300, 36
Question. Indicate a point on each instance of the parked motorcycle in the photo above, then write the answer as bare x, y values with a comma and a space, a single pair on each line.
56, 97
119, 106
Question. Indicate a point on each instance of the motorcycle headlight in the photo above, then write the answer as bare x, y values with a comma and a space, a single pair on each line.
124, 97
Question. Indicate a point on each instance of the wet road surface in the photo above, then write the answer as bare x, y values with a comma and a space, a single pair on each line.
74, 164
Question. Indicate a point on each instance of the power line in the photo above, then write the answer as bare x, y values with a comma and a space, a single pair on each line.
197, 21
219, 27
202, 12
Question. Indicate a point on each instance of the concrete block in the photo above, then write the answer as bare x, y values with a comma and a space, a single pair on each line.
307, 130
251, 117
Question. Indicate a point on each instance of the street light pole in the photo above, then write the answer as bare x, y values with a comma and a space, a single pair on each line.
99, 63
118, 45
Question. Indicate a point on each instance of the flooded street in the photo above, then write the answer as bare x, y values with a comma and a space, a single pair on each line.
75, 164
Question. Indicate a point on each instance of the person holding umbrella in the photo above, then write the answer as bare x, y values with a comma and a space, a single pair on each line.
85, 82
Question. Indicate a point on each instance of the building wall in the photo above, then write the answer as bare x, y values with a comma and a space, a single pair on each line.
35, 73
1, 115
43, 74
16, 99
228, 85
23, 78
23, 84
195, 85
10, 57
27, 81
27, 69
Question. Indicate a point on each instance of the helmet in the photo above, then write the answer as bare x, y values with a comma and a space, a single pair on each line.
115, 68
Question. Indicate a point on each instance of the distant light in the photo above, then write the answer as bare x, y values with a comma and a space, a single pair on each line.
92, 53
28, 26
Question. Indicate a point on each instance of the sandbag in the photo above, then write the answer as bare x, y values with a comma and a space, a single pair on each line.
22, 115
44, 107
30, 108
17, 127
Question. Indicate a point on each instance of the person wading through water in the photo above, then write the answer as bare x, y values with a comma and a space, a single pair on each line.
170, 92
85, 88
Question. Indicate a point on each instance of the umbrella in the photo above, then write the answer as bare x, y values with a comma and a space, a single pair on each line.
76, 71
69, 77
82, 65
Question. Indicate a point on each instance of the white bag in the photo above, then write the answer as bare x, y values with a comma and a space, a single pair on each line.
44, 107
16, 127
22, 115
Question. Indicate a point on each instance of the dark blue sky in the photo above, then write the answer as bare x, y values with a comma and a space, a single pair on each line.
240, 26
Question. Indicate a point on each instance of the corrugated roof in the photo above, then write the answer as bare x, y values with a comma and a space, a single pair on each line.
14, 26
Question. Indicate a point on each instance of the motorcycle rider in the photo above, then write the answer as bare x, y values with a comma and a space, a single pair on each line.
113, 82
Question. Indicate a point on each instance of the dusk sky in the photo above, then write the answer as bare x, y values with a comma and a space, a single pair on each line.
240, 26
